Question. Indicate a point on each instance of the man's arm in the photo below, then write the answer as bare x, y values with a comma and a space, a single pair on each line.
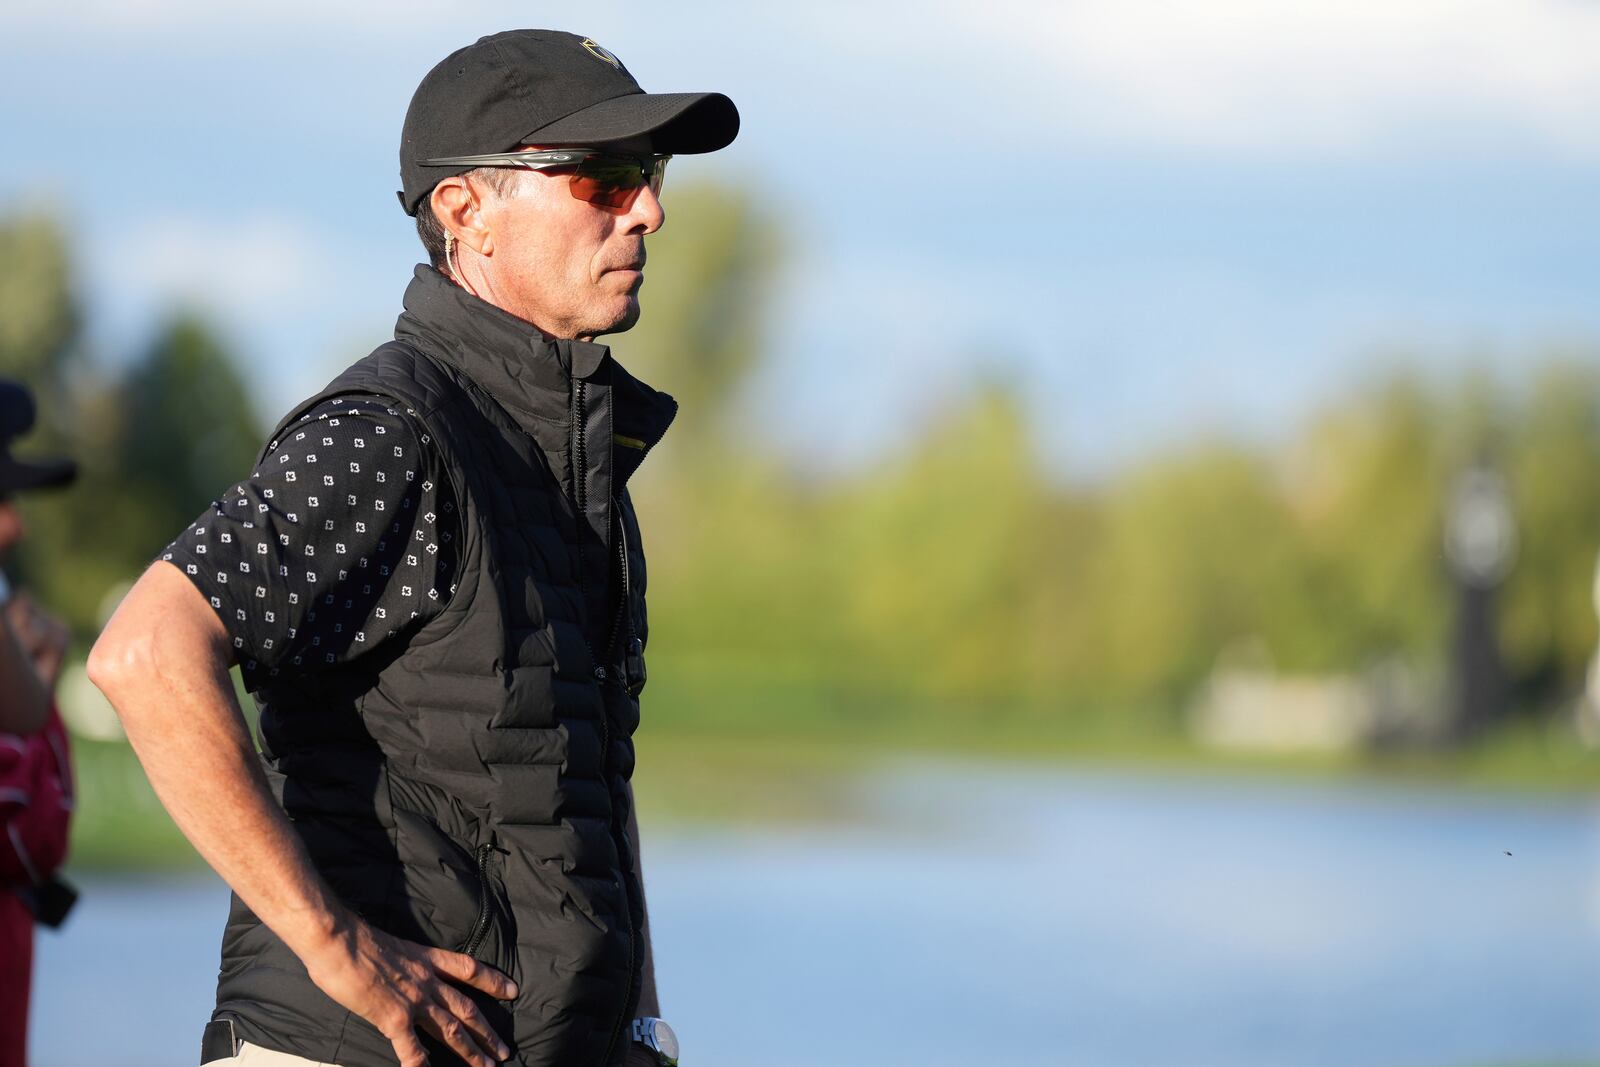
24, 702
163, 663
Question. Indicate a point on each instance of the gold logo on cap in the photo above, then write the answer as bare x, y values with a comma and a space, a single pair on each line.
603, 54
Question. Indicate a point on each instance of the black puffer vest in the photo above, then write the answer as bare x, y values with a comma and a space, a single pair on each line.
464, 785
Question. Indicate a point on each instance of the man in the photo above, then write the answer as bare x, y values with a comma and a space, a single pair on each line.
434, 585
31, 643
35, 773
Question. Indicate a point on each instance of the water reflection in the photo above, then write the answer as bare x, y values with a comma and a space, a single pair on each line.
998, 915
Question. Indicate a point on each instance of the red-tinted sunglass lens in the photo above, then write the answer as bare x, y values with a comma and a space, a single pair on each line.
613, 183
609, 183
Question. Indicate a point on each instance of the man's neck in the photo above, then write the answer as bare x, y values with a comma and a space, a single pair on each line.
454, 279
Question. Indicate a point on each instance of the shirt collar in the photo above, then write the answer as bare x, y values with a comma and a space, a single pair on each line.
528, 375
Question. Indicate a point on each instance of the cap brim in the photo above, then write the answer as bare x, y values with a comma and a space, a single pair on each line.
16, 475
677, 123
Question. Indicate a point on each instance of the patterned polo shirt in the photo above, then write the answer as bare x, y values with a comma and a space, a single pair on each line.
344, 536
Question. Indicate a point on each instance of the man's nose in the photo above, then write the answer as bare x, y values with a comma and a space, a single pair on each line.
645, 214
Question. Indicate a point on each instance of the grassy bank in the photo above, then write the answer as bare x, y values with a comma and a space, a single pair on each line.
794, 755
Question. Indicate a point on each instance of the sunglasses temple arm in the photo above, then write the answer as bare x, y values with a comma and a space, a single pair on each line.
565, 155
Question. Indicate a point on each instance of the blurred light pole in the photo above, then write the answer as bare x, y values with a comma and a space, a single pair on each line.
1588, 713
1480, 541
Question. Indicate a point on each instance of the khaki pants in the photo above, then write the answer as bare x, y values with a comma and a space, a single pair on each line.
255, 1056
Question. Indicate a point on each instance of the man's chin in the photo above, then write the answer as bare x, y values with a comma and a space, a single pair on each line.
625, 319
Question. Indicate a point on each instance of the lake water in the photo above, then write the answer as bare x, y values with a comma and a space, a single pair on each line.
991, 914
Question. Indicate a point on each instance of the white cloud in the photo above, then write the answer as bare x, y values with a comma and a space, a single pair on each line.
1250, 77
190, 16
1270, 76
237, 268
285, 298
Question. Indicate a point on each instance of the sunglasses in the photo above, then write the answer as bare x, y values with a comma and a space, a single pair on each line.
605, 179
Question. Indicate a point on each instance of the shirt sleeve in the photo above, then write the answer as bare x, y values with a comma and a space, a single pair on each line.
342, 538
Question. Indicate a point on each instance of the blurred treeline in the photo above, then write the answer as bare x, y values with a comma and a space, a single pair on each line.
957, 580
158, 431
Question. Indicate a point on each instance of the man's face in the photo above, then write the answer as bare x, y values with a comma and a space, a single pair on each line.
570, 267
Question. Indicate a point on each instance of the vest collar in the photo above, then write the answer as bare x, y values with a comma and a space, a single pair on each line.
529, 376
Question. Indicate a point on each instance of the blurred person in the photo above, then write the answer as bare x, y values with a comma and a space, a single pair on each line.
24, 700
433, 584
35, 769
29, 639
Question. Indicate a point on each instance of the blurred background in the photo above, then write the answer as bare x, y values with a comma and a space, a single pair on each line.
1124, 575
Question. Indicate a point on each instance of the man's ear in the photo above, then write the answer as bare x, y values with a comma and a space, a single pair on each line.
457, 206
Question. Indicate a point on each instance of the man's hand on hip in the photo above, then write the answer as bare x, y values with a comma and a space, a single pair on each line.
163, 661
400, 987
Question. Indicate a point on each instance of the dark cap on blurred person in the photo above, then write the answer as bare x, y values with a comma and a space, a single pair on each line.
545, 87
17, 412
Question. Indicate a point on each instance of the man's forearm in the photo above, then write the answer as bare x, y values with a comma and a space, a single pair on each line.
163, 663
166, 673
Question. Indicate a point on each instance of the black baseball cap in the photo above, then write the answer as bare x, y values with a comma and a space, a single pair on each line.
550, 88
17, 413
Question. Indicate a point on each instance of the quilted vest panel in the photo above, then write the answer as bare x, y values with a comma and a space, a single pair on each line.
467, 787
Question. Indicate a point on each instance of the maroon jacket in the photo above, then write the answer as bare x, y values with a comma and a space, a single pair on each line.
35, 808
35, 803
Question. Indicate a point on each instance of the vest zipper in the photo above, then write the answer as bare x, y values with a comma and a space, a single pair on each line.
633, 669
580, 496
622, 575
480, 926
580, 445
580, 465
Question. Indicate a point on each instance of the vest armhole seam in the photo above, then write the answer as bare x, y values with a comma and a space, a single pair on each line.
455, 605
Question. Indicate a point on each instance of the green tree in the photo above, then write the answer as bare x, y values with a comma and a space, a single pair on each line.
39, 316
710, 275
154, 445
1553, 464
1365, 483
1194, 546
936, 557
191, 430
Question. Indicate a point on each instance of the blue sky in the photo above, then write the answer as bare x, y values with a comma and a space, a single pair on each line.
1158, 219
